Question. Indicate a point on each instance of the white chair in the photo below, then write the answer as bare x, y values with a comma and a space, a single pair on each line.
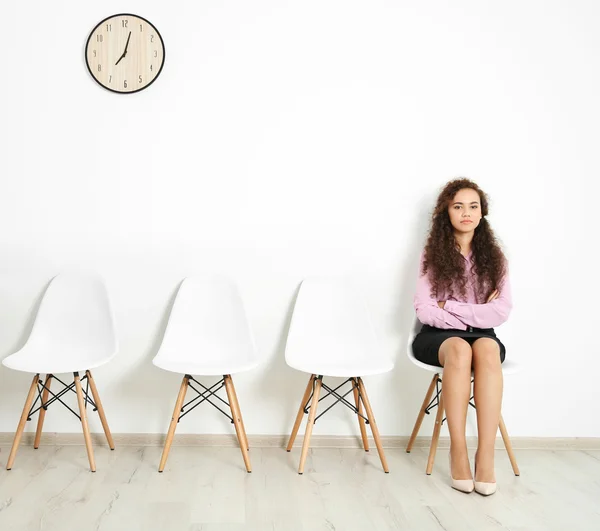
429, 403
331, 335
73, 332
208, 334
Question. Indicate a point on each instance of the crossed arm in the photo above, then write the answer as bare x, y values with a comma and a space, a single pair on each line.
460, 315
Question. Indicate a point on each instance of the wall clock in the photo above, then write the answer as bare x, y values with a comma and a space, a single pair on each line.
125, 53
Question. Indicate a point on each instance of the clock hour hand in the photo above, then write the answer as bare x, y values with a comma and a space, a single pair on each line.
124, 51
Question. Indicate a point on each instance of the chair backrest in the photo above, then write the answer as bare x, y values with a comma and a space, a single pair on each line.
75, 315
330, 324
416, 327
207, 322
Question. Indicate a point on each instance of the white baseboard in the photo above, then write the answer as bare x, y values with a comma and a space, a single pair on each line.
280, 441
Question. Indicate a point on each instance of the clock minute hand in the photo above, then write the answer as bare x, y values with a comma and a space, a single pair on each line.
127, 44
124, 51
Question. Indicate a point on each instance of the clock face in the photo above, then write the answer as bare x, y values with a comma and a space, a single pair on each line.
125, 53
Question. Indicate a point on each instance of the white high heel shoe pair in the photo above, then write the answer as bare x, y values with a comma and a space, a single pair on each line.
468, 485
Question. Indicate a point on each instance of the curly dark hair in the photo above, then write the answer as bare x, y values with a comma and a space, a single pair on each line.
442, 258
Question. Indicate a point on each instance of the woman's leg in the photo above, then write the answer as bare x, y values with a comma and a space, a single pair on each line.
488, 401
455, 356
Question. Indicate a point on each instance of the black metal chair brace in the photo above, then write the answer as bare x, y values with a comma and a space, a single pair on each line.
41, 386
204, 397
339, 398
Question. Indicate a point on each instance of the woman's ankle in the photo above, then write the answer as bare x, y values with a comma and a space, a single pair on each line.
485, 455
459, 449
484, 465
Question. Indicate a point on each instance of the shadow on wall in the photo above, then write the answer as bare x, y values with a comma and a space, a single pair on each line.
410, 390
289, 386
138, 383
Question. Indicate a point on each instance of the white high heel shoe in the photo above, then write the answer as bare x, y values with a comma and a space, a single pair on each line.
463, 485
481, 487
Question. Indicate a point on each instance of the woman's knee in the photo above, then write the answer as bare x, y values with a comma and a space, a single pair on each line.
456, 352
486, 353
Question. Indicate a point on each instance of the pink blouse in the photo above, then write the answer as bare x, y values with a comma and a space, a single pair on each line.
464, 313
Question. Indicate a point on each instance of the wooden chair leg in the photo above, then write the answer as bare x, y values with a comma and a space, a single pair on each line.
436, 435
361, 420
101, 414
300, 413
174, 421
42, 414
237, 422
363, 396
242, 425
84, 423
310, 423
419, 421
509, 448
22, 421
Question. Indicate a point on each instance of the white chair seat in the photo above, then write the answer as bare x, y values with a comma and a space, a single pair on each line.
206, 368
508, 367
345, 369
37, 361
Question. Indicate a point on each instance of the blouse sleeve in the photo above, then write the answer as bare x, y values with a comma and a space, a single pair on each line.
486, 315
427, 308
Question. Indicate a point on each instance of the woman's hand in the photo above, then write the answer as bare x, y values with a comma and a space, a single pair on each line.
441, 304
493, 295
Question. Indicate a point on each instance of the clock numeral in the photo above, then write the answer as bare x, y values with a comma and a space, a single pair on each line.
110, 79
99, 68
141, 27
94, 53
140, 79
151, 38
150, 68
125, 22
155, 53
125, 84
99, 38
109, 27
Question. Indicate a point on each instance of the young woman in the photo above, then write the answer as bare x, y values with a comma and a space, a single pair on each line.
462, 293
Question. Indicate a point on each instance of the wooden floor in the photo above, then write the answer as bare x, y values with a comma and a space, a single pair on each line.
208, 489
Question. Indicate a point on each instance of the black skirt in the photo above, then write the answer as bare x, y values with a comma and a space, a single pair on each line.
426, 345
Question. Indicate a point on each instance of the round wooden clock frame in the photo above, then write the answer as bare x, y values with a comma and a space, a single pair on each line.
125, 53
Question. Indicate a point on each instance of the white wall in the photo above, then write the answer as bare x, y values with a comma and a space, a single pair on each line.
285, 139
